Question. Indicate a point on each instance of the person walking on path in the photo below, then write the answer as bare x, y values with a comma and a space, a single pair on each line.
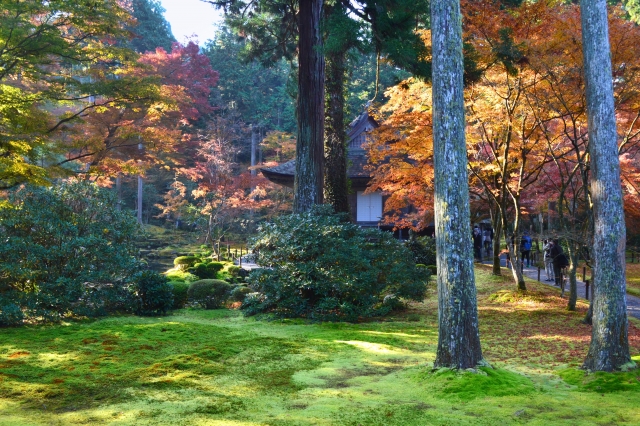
477, 243
525, 249
559, 261
548, 260
487, 237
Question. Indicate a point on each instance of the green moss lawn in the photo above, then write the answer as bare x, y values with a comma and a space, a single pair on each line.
217, 368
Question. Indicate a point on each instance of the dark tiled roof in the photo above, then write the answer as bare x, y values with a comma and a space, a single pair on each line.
284, 173
357, 163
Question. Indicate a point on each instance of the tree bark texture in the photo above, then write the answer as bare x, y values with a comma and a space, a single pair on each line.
336, 189
609, 349
309, 148
458, 334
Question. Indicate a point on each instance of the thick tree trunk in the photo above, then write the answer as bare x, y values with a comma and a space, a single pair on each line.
458, 334
309, 148
336, 188
609, 349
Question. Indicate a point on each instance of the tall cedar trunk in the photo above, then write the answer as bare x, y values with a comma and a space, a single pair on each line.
458, 334
309, 148
609, 349
336, 188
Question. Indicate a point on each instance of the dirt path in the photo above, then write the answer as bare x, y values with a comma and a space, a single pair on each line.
633, 302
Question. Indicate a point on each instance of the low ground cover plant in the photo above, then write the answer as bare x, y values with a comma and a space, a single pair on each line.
321, 267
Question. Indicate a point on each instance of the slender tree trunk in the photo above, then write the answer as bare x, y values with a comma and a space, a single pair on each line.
119, 192
458, 334
609, 349
140, 199
496, 222
309, 148
336, 188
573, 283
254, 146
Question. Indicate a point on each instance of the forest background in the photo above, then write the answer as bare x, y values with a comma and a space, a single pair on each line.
196, 121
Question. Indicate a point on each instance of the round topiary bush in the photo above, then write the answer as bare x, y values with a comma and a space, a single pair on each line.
184, 262
240, 293
180, 296
209, 294
154, 295
215, 266
204, 271
322, 267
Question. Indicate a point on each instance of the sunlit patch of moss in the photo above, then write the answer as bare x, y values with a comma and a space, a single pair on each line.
216, 367
485, 382
602, 382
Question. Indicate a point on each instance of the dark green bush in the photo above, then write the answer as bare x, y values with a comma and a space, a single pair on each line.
234, 270
154, 295
240, 293
216, 266
423, 250
203, 271
185, 262
10, 313
209, 294
66, 250
324, 268
180, 296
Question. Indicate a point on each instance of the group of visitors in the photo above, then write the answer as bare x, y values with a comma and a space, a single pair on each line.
554, 258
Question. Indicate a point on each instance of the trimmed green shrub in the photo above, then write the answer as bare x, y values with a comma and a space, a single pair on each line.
216, 266
322, 267
209, 294
154, 295
433, 269
203, 270
74, 257
180, 296
181, 276
184, 262
240, 293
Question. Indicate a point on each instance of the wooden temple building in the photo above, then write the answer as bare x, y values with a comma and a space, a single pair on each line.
366, 209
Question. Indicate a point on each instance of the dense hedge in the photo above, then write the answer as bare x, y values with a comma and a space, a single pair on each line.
65, 250
324, 268
153, 294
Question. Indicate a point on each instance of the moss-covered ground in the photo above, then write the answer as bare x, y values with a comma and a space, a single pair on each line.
218, 368
633, 279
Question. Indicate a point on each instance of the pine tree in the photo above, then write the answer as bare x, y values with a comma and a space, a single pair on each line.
152, 29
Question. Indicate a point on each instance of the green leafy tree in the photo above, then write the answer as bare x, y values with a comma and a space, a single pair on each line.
58, 60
